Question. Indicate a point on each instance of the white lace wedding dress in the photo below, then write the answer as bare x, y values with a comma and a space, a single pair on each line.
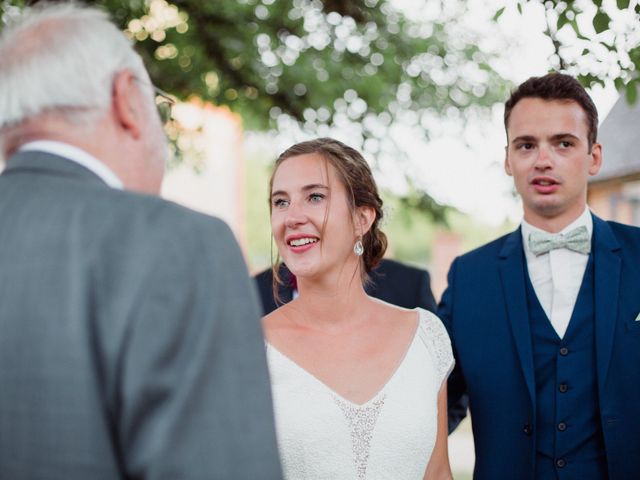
323, 436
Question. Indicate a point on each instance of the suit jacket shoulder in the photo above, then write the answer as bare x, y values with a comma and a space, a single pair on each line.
490, 250
627, 234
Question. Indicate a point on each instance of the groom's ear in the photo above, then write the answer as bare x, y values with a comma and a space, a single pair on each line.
507, 165
596, 159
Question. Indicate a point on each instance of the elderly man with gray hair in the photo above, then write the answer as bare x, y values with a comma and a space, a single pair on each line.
130, 344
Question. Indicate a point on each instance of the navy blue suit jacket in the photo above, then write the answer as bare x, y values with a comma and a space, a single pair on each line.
485, 311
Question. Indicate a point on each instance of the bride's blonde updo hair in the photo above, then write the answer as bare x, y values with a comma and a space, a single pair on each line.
355, 174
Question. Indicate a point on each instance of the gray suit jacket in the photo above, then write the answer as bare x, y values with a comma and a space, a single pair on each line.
130, 344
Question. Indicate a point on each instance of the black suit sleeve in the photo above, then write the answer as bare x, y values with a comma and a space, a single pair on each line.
457, 396
425, 298
264, 282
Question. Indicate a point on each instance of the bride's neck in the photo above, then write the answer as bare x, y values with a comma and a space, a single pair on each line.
331, 305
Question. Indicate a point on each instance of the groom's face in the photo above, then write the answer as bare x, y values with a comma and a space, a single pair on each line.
549, 158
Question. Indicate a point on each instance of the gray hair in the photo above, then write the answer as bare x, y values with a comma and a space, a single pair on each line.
62, 58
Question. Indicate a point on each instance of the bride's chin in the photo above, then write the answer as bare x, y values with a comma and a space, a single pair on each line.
302, 273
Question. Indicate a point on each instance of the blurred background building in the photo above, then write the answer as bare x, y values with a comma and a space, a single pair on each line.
614, 193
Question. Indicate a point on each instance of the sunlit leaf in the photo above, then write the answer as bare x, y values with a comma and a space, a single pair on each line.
562, 20
622, 4
497, 15
590, 80
631, 92
601, 22
634, 55
618, 83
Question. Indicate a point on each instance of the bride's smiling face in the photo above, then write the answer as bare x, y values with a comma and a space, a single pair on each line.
311, 220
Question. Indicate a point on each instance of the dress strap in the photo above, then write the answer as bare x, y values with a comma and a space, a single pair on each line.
434, 335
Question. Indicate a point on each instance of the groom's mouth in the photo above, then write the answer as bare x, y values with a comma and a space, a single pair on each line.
545, 184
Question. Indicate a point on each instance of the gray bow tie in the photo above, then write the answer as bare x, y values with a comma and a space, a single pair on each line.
577, 240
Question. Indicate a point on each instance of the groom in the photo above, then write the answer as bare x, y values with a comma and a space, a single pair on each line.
545, 321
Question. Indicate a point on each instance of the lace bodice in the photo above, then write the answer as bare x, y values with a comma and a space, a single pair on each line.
322, 435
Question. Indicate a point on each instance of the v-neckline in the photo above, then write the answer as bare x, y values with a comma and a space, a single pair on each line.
332, 391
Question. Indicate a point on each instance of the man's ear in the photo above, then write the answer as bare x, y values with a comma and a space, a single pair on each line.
596, 159
127, 103
364, 218
507, 166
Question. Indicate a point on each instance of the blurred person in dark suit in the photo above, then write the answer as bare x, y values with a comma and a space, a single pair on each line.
391, 281
130, 344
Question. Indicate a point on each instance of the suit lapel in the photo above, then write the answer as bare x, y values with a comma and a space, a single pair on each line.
607, 264
515, 297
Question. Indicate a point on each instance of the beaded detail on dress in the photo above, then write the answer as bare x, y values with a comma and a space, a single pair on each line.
362, 420
435, 336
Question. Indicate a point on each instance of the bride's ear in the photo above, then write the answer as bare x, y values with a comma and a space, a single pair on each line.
364, 217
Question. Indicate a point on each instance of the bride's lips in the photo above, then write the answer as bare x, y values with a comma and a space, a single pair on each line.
300, 243
545, 185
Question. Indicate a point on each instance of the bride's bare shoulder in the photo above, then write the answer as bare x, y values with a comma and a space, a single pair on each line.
394, 312
276, 322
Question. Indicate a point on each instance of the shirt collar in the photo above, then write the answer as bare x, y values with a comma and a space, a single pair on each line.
584, 219
76, 155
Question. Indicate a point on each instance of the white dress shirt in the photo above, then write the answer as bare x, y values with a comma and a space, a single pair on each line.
77, 155
556, 276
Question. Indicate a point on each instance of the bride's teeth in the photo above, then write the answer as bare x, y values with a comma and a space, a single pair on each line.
298, 242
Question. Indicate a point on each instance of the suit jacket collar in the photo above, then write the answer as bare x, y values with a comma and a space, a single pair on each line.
511, 267
607, 265
50, 164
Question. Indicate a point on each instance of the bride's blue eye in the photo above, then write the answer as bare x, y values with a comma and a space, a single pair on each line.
280, 203
316, 197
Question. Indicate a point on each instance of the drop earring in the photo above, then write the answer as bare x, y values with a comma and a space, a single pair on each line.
358, 248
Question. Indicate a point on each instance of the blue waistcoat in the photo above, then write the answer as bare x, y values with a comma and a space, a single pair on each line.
569, 442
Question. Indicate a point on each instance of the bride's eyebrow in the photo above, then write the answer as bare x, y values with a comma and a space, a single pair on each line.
278, 192
306, 188
315, 186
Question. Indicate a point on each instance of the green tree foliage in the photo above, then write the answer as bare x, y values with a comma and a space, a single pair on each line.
596, 40
318, 62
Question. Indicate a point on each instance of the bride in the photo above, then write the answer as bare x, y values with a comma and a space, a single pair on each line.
359, 385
